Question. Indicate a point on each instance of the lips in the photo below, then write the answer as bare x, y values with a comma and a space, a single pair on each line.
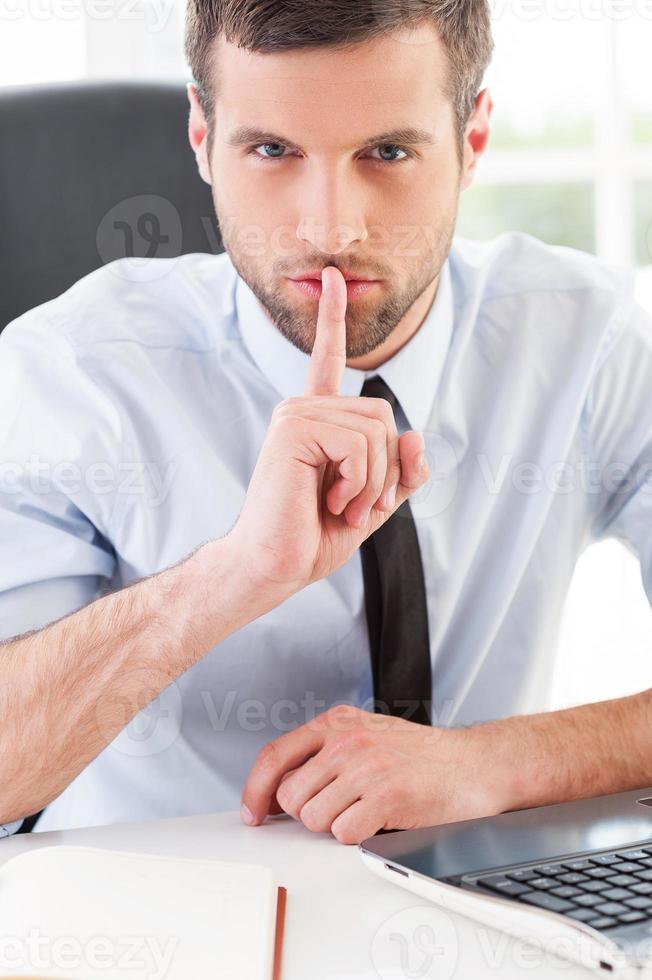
349, 276
355, 288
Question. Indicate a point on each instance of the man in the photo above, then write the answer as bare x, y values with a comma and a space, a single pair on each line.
239, 439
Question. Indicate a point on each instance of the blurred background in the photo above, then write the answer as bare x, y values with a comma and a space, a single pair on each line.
570, 162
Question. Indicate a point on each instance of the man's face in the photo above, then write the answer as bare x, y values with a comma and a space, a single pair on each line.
311, 192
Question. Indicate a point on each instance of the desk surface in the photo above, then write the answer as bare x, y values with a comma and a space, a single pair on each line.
343, 923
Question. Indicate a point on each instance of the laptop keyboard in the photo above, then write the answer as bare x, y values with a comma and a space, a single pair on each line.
603, 890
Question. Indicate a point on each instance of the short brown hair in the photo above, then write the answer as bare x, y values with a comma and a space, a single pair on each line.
464, 27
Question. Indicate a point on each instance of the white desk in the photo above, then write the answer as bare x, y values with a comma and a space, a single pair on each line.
343, 923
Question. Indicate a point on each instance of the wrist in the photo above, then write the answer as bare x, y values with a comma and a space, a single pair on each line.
507, 770
525, 767
227, 594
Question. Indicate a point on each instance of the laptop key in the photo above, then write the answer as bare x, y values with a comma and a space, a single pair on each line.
644, 875
593, 886
588, 900
632, 855
632, 917
565, 891
622, 880
617, 894
612, 908
626, 867
543, 883
572, 878
640, 902
578, 865
605, 859
544, 900
603, 923
583, 915
499, 883
522, 874
598, 872
545, 870
642, 888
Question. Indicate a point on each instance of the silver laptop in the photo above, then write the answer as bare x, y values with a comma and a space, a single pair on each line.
575, 878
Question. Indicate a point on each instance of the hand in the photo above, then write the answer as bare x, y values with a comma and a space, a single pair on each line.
332, 469
354, 773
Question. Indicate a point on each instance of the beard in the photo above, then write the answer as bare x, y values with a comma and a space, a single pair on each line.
367, 325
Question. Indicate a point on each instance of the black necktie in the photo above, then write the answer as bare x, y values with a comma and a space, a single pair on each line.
395, 603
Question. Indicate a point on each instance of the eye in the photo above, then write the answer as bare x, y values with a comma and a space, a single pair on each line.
272, 146
392, 149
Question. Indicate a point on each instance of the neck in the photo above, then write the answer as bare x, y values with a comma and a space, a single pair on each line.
400, 336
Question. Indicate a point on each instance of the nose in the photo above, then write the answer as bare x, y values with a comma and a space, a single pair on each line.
331, 218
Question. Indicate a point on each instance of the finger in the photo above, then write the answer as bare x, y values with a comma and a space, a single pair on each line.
320, 812
414, 468
316, 443
328, 358
375, 432
359, 821
376, 408
273, 761
307, 781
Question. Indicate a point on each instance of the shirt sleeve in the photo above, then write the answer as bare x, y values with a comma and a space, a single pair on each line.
618, 428
55, 425
7, 829
55, 555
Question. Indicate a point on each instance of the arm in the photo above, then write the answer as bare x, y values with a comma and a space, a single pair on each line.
67, 690
321, 485
364, 773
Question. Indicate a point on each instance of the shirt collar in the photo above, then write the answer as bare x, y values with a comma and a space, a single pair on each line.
413, 373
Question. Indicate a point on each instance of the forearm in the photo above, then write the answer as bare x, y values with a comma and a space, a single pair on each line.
605, 747
67, 690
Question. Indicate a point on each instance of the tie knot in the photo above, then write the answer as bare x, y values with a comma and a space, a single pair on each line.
376, 388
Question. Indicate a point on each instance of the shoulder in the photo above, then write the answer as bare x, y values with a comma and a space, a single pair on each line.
516, 264
547, 293
184, 303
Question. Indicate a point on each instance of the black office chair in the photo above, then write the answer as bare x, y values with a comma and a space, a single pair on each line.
90, 173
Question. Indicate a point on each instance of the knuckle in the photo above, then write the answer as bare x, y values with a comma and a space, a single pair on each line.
268, 757
378, 762
349, 742
287, 406
386, 413
345, 832
311, 819
287, 800
342, 717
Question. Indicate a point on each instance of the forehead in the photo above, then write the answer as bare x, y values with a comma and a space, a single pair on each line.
320, 89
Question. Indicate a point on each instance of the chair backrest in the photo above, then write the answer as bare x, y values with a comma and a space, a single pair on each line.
91, 172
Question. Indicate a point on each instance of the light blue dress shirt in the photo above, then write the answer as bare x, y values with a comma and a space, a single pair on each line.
132, 411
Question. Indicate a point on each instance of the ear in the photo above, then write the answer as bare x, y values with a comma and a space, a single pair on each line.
197, 132
476, 137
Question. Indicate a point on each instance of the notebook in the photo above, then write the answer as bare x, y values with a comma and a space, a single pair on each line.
84, 912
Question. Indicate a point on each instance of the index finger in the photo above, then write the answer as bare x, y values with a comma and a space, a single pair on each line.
273, 762
328, 358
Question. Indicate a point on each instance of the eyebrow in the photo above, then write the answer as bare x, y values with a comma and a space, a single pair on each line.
250, 135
